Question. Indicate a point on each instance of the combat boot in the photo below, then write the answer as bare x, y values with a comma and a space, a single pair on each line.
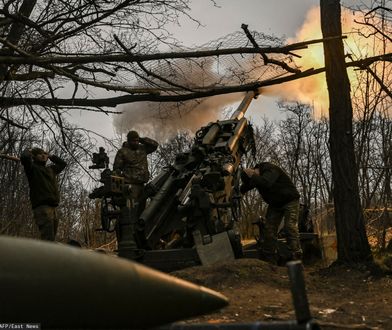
296, 255
269, 257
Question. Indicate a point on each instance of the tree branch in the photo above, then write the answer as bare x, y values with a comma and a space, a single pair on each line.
40, 60
377, 8
364, 63
11, 122
149, 73
114, 101
380, 82
29, 76
150, 96
15, 33
375, 28
264, 56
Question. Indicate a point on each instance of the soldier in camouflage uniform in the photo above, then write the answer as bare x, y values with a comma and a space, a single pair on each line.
44, 192
131, 163
282, 197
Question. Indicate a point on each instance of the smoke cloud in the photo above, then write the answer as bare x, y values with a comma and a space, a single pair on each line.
161, 121
310, 90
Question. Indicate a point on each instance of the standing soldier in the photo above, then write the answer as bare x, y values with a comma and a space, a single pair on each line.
44, 191
282, 197
131, 163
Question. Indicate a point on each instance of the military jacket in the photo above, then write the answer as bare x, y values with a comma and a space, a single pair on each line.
132, 163
43, 180
273, 184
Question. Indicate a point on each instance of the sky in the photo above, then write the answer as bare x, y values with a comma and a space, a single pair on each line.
278, 17
281, 18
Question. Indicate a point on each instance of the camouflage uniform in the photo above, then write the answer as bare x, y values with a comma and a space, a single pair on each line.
282, 197
131, 163
133, 166
274, 217
44, 192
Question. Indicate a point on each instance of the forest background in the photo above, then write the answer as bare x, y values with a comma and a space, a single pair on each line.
298, 141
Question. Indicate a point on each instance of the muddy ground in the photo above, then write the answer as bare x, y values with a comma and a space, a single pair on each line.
340, 297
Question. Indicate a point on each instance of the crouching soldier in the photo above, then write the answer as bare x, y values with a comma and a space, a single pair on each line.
279, 192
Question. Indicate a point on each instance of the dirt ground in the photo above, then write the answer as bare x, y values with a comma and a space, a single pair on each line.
339, 297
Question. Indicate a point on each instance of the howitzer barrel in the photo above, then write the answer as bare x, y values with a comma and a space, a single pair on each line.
237, 133
158, 200
240, 112
209, 138
66, 287
198, 194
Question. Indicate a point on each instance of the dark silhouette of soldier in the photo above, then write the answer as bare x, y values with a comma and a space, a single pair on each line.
282, 197
44, 191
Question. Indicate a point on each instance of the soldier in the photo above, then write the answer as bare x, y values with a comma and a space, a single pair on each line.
44, 191
282, 197
131, 163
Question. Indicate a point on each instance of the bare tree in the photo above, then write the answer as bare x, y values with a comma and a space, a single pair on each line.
303, 147
117, 46
123, 47
353, 245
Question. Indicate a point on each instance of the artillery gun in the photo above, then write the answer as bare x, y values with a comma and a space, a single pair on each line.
194, 204
118, 209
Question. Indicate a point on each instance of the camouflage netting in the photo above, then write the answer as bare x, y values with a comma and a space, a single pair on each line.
187, 75
197, 74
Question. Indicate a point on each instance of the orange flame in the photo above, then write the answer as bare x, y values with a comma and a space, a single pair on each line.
313, 90
153, 119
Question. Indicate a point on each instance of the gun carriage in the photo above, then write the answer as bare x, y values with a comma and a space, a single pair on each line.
194, 204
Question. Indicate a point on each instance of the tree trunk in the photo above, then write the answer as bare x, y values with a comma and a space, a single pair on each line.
15, 33
353, 245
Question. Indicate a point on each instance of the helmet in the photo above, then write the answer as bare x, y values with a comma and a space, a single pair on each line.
132, 135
